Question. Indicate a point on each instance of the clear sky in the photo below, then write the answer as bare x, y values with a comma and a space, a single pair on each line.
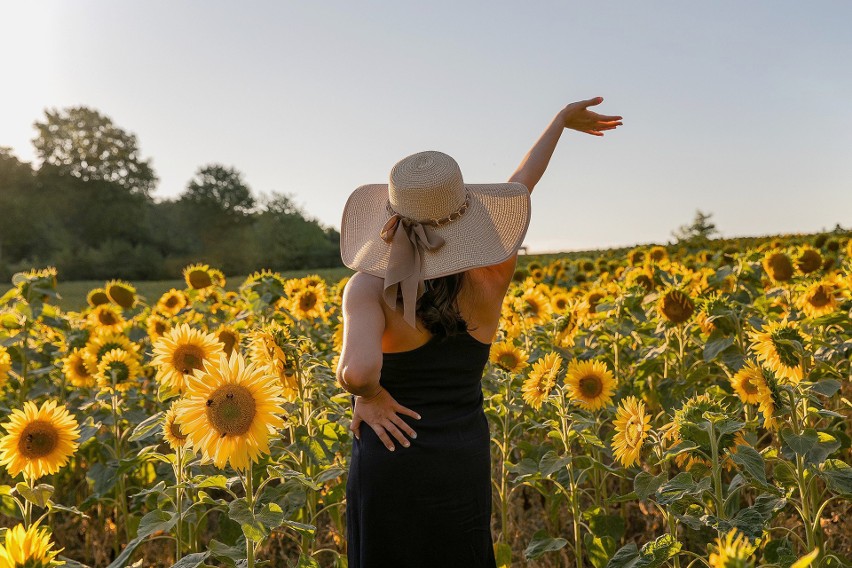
743, 109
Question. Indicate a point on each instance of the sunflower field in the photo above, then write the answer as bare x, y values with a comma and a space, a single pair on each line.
660, 407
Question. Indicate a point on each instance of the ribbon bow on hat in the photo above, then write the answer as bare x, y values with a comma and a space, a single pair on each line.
405, 263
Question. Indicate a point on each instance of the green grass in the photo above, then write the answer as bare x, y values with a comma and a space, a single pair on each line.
74, 292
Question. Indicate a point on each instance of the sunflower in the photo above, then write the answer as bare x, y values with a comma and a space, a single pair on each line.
508, 357
28, 548
119, 368
640, 277
102, 342
657, 254
732, 551
228, 337
774, 349
676, 306
121, 293
80, 367
590, 384
542, 379
560, 302
179, 352
41, 282
96, 297
593, 298
230, 410
747, 382
309, 302
267, 349
337, 338
631, 429
566, 326
172, 302
264, 283
809, 260
636, 257
533, 306
106, 317
687, 425
156, 326
819, 299
199, 276
510, 322
172, 431
5, 365
778, 266
39, 440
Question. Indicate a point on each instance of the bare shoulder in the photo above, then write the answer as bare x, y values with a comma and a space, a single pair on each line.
494, 279
362, 286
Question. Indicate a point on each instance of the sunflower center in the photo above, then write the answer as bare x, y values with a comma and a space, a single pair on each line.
228, 339
307, 300
119, 370
200, 279
174, 428
780, 267
677, 307
819, 298
38, 439
748, 386
122, 296
187, 358
160, 327
80, 368
231, 410
561, 304
591, 386
507, 360
171, 301
106, 317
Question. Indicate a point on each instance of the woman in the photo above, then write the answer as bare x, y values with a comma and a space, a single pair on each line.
434, 258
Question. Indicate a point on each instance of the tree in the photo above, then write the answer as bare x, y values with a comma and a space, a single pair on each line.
220, 191
701, 229
83, 143
286, 240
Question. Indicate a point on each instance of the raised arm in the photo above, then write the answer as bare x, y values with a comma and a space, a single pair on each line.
575, 116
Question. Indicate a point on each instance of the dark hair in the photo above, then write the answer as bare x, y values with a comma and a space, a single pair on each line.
438, 307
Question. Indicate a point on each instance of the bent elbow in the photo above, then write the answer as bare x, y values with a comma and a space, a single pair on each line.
358, 377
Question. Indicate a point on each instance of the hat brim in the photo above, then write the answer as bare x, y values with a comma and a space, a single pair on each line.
489, 232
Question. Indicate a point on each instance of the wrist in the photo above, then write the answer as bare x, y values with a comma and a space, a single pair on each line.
370, 396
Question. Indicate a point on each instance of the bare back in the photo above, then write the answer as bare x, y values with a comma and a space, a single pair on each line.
480, 301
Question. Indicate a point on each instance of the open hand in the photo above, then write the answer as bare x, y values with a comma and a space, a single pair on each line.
577, 116
380, 413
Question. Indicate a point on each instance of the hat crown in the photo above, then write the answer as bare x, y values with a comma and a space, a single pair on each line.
426, 185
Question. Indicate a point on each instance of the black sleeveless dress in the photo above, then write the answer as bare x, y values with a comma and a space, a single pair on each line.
427, 505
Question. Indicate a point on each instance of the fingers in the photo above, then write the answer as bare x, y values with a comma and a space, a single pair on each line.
403, 425
355, 426
407, 411
396, 433
383, 436
592, 102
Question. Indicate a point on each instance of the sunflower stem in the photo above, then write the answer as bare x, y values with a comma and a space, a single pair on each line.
575, 498
122, 492
717, 473
247, 480
28, 507
179, 502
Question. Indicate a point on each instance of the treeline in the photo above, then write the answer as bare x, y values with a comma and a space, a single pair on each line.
88, 209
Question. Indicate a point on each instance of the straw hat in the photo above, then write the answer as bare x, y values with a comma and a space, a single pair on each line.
428, 223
